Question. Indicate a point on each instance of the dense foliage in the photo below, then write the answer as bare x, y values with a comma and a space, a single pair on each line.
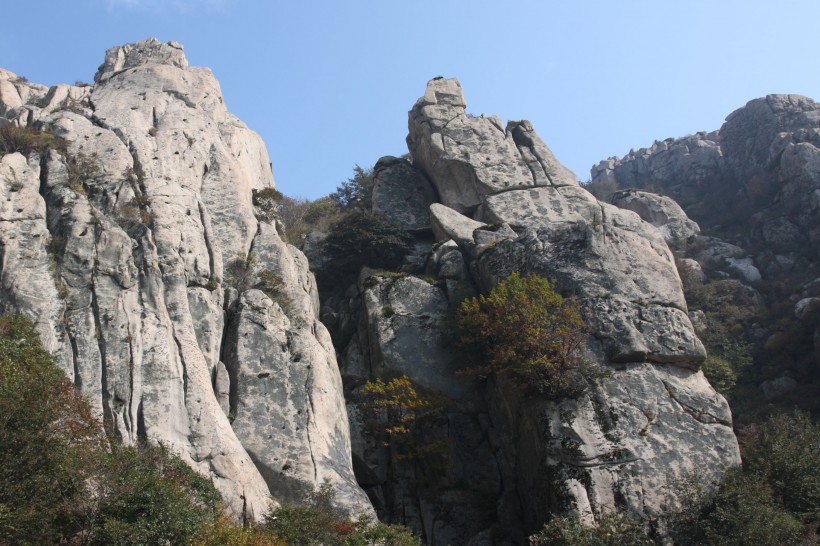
774, 499
359, 239
47, 436
318, 521
61, 481
525, 329
355, 193
611, 530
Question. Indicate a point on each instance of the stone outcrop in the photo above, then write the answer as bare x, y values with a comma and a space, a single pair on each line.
753, 187
623, 276
402, 193
660, 211
136, 251
681, 168
506, 204
759, 173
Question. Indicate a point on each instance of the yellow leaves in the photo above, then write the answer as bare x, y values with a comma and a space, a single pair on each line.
525, 328
398, 407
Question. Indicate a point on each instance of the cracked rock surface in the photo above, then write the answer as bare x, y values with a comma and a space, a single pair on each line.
124, 247
655, 418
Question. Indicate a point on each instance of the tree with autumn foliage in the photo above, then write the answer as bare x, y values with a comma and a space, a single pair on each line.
526, 330
401, 412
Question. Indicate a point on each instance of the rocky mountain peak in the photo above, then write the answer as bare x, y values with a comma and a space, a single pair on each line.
141, 262
150, 51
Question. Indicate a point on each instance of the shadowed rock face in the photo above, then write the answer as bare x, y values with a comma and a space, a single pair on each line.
123, 250
656, 418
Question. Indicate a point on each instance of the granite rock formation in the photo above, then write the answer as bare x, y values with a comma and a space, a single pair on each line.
506, 204
135, 249
753, 187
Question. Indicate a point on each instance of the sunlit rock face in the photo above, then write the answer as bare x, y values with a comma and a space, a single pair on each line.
124, 248
655, 418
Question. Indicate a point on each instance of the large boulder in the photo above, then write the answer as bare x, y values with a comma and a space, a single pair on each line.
660, 211
403, 194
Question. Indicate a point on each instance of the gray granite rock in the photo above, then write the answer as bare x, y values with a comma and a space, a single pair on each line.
660, 211
117, 250
402, 194
476, 156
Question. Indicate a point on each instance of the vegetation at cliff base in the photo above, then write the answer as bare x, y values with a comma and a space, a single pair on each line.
610, 530
62, 481
526, 330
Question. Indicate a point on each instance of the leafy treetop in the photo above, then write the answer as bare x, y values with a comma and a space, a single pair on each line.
525, 329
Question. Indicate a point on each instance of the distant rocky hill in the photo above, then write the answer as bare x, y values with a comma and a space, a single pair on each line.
136, 237
753, 186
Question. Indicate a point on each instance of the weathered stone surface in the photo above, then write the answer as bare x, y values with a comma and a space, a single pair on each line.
600, 447
152, 195
679, 168
545, 167
408, 330
722, 256
660, 211
286, 404
643, 428
475, 155
752, 138
402, 193
537, 206
449, 224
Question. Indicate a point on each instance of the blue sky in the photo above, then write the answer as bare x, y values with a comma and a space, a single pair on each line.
328, 84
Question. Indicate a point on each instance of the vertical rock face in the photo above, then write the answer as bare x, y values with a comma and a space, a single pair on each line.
507, 204
124, 247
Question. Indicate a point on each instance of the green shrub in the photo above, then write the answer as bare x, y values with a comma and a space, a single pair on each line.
47, 434
62, 481
611, 530
355, 193
361, 239
152, 497
25, 140
317, 522
742, 512
525, 329
720, 373
785, 452
774, 499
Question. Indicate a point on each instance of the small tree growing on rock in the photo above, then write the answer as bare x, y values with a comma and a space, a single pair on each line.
401, 413
524, 329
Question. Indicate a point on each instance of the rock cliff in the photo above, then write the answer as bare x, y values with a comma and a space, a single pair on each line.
504, 204
753, 187
140, 245
133, 245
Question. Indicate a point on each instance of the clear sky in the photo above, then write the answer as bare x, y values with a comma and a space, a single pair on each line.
328, 83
